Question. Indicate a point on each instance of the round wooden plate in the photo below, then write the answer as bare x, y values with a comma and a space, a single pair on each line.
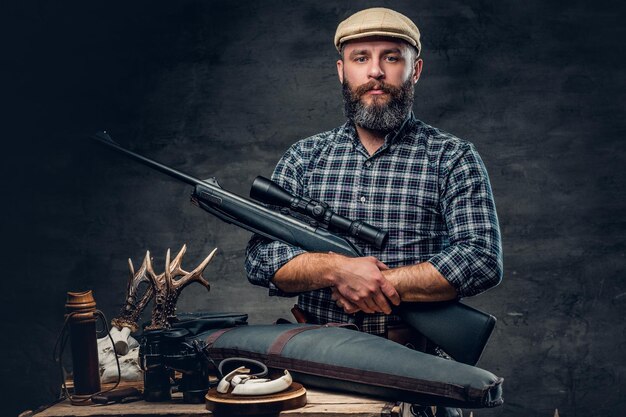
247, 405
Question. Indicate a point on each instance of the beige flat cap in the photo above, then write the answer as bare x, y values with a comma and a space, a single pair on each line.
378, 21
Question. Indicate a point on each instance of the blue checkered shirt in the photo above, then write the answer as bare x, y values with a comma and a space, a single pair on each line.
427, 188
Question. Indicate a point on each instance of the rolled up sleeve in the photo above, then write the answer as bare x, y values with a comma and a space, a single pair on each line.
264, 257
473, 261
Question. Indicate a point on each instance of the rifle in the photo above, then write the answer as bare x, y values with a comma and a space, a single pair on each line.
460, 330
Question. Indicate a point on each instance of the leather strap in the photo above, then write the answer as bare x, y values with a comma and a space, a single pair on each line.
216, 335
277, 347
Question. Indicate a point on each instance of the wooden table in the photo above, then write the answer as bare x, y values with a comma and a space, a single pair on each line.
319, 404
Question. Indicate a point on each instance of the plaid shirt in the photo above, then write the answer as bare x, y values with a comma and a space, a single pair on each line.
427, 188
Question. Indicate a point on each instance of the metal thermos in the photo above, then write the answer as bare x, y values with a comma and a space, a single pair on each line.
82, 324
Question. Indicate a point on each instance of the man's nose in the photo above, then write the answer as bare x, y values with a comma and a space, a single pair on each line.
375, 70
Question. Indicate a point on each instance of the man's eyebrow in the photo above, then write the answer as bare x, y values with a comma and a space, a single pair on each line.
359, 52
392, 51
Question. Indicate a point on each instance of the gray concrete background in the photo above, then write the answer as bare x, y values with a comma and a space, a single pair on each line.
219, 88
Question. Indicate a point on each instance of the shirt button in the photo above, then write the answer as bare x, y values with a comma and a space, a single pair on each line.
363, 199
368, 164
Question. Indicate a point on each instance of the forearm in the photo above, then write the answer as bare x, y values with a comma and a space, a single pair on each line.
420, 282
306, 272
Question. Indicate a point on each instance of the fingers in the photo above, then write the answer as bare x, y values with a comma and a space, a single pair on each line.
381, 303
348, 307
390, 292
386, 287
343, 302
381, 265
385, 291
367, 300
360, 285
352, 300
368, 305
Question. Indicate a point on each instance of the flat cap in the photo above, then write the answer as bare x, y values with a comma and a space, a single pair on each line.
378, 21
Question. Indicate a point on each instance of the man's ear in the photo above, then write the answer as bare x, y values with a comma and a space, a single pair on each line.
417, 70
340, 70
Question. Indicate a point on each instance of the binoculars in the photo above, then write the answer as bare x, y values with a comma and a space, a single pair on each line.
163, 353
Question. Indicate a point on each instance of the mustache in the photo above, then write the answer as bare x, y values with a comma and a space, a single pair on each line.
375, 85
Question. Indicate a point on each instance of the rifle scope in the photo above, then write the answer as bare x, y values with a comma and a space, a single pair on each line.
267, 191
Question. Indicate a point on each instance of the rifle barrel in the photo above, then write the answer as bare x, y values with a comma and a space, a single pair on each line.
104, 138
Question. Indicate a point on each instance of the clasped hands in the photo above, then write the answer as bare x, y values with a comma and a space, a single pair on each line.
360, 285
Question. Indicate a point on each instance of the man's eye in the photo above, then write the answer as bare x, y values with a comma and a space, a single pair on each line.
392, 58
360, 59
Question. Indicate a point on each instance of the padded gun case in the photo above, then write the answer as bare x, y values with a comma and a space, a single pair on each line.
332, 357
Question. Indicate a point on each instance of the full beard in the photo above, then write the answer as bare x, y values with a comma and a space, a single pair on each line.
380, 115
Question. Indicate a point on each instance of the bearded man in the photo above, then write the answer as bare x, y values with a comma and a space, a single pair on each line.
427, 188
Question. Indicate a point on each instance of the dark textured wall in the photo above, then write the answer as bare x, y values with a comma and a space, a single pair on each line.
220, 88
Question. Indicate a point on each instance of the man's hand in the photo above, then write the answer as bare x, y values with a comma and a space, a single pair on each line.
420, 282
359, 285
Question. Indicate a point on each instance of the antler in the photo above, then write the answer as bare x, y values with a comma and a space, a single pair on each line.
167, 289
135, 305
187, 277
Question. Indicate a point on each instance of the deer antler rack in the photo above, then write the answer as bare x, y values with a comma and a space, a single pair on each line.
167, 288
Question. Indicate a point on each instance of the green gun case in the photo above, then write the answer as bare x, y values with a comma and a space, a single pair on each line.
333, 357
